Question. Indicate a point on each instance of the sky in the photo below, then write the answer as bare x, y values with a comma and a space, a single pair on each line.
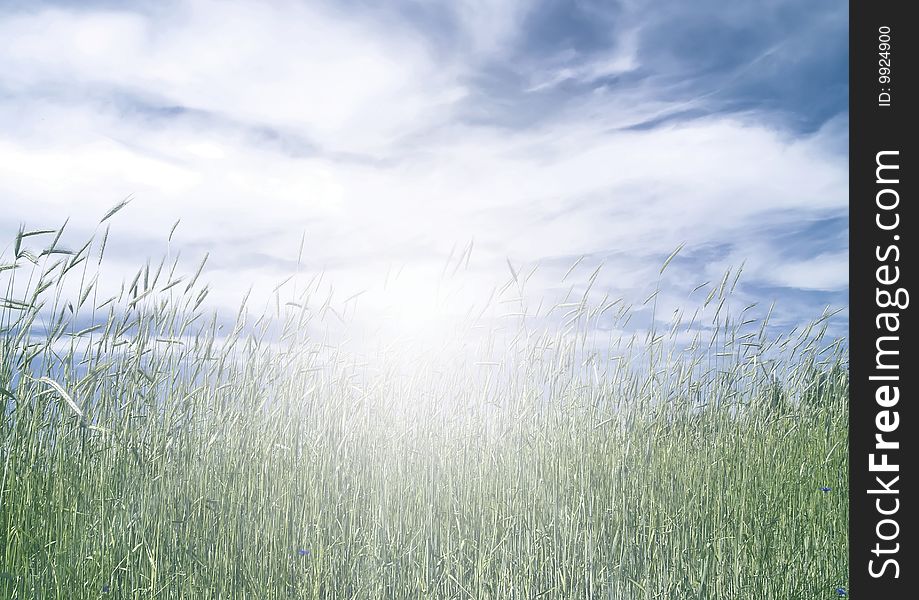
392, 136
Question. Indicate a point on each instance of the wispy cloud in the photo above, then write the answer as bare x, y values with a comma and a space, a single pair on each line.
390, 134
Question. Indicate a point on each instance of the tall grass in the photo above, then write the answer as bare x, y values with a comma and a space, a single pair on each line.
152, 450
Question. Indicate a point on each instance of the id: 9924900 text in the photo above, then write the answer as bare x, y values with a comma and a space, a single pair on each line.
884, 58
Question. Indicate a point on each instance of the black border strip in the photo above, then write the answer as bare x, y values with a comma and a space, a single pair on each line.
882, 268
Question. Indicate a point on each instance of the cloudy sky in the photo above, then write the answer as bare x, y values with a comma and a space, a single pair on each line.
392, 133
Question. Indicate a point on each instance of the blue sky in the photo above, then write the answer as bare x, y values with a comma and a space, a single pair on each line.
393, 133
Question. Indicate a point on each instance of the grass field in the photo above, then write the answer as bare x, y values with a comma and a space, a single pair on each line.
152, 450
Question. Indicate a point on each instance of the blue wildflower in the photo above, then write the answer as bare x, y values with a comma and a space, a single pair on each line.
825, 490
841, 592
106, 589
303, 552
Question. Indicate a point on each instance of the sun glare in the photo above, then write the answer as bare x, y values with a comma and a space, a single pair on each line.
416, 305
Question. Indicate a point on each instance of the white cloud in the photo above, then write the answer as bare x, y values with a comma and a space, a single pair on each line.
389, 174
490, 27
822, 272
620, 59
347, 85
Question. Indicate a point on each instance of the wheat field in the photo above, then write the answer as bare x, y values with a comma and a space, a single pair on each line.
153, 448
